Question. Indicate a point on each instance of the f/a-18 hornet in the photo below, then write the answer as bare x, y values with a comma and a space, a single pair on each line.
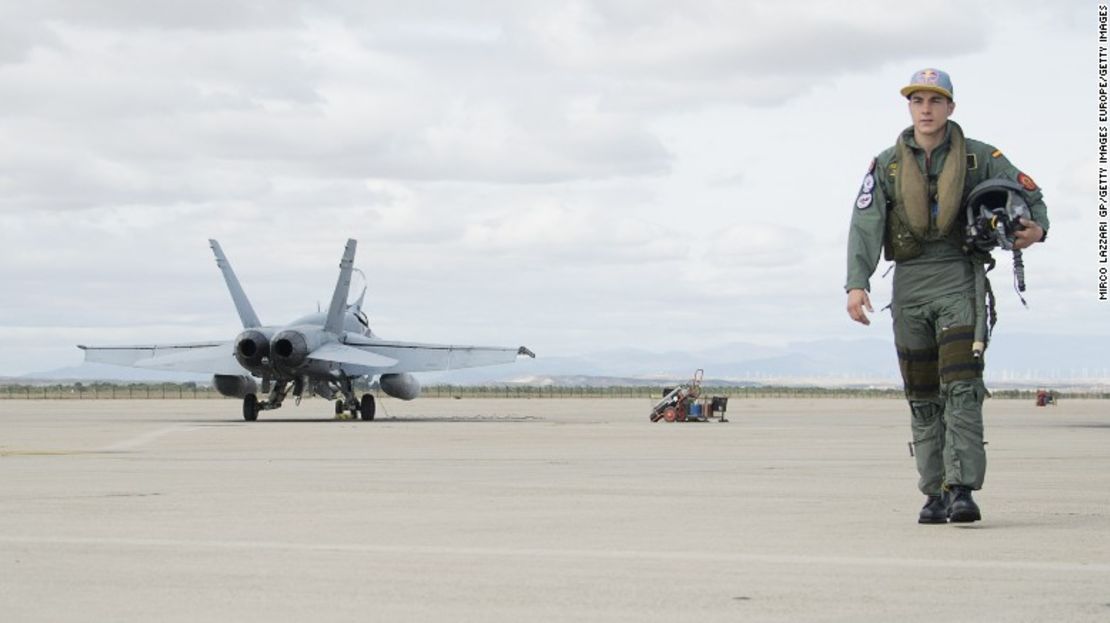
320, 353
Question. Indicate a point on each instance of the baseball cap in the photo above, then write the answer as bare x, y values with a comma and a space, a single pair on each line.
929, 79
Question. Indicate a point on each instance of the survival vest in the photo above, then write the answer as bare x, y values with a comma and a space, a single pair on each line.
910, 222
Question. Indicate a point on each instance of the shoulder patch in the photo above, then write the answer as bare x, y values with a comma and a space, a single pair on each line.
996, 153
871, 167
864, 201
1026, 182
868, 184
972, 162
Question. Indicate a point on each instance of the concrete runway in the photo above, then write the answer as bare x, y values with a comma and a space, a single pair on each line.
540, 510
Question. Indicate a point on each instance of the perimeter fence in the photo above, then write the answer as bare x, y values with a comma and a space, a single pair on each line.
192, 391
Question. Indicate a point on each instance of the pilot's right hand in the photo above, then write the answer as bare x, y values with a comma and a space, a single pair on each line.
857, 302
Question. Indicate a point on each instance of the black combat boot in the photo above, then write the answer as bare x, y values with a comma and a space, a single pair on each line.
934, 510
961, 508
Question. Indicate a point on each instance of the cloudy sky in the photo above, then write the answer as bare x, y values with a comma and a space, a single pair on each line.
575, 176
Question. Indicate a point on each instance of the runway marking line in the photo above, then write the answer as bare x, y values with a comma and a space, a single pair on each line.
785, 559
145, 438
126, 444
4, 453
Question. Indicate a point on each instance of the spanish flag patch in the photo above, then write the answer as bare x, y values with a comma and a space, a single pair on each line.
1026, 182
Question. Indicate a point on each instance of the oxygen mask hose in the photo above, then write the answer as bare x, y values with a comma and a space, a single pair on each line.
979, 342
1019, 276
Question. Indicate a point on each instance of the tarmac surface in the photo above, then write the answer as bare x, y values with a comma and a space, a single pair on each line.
540, 510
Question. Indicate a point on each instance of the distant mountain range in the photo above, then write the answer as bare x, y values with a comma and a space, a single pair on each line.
1016, 360
88, 372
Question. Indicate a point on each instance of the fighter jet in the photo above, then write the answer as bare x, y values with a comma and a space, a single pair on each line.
321, 354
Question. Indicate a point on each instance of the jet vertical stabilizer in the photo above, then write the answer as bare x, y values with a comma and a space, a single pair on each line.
242, 304
338, 307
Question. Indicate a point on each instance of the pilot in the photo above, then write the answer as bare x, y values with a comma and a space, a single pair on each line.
910, 205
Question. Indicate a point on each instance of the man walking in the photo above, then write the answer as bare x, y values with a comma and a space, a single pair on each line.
911, 205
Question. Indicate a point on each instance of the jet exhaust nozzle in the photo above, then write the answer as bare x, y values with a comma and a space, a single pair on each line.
289, 348
251, 348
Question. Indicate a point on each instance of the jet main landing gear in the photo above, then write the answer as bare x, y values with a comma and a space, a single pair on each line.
250, 407
367, 407
364, 408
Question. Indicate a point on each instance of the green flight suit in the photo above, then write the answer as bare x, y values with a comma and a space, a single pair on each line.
933, 308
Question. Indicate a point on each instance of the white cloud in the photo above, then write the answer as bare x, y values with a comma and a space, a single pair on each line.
572, 175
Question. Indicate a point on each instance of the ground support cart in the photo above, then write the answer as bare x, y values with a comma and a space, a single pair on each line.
684, 404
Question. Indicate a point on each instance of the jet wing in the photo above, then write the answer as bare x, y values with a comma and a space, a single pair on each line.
206, 357
341, 353
420, 357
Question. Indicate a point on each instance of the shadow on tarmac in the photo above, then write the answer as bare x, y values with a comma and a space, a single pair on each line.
454, 419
